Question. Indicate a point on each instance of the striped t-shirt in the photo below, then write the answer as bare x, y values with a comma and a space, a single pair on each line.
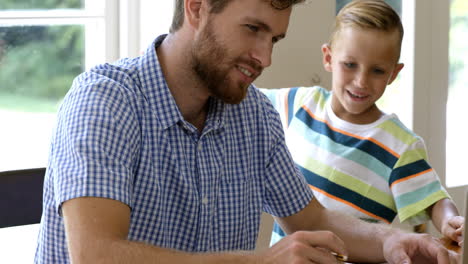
373, 171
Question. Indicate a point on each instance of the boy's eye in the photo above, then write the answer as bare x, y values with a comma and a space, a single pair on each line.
252, 27
349, 65
379, 71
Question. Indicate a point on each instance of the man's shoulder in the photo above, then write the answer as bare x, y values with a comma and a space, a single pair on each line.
119, 71
109, 78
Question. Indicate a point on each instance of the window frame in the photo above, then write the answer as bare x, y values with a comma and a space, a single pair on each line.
428, 38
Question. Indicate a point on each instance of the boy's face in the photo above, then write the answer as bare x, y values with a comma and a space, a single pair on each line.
363, 62
232, 48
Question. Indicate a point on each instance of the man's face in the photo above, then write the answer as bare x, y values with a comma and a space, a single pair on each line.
232, 48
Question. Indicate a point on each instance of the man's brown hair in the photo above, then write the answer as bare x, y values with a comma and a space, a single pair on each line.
218, 6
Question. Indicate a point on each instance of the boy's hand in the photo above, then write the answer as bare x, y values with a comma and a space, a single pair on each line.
453, 228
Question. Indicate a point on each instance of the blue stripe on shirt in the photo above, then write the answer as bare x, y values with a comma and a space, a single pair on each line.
291, 95
408, 170
365, 145
348, 195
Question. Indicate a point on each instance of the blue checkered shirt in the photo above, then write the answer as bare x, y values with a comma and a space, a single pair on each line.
120, 135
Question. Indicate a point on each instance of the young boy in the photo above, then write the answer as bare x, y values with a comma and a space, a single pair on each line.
356, 158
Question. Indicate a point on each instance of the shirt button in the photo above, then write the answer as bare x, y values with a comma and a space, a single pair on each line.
199, 147
205, 200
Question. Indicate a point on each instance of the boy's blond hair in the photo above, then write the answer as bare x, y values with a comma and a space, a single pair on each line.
368, 14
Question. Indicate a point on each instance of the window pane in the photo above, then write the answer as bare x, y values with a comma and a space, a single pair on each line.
458, 76
396, 4
37, 66
41, 4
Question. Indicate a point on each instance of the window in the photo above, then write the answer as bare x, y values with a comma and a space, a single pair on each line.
43, 46
42, 49
396, 4
458, 78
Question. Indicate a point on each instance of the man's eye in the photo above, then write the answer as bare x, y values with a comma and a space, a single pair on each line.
252, 28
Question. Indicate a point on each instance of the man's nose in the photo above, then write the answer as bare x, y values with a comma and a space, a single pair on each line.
262, 53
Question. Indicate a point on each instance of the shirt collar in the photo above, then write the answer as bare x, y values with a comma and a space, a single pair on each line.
156, 91
155, 88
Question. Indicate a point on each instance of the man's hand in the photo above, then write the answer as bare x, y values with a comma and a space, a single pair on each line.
403, 248
305, 247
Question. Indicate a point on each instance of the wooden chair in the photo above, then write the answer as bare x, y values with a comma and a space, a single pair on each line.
21, 197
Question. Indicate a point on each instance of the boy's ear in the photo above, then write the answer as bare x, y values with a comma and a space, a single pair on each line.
397, 70
326, 57
192, 10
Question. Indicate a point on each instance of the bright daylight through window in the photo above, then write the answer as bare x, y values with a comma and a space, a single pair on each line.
43, 46
458, 92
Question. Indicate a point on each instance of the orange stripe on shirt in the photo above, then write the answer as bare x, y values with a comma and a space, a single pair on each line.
410, 177
348, 203
349, 134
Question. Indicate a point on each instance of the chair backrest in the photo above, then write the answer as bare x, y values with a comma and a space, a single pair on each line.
21, 197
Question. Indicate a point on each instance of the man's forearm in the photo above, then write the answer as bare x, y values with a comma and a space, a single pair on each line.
124, 251
363, 240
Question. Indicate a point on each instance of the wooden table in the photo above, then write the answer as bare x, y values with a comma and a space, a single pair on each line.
450, 245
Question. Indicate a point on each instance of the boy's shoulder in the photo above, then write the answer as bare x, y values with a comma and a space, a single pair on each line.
395, 127
305, 95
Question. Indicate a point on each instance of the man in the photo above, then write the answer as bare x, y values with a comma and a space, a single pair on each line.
171, 157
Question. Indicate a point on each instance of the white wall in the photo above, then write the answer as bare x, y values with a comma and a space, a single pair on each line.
297, 60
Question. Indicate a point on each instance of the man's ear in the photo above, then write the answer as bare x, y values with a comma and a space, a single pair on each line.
396, 70
192, 10
326, 57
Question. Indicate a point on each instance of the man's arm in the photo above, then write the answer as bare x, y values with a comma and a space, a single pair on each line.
97, 229
366, 242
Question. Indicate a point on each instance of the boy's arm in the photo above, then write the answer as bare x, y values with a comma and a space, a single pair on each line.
447, 220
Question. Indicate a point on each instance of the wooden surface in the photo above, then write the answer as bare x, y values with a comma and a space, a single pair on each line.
450, 244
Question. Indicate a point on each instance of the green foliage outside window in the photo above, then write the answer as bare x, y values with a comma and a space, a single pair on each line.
41, 4
43, 65
38, 63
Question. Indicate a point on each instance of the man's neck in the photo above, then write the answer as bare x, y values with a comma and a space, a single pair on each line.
190, 95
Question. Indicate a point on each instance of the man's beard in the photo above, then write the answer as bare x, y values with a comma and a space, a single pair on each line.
211, 63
